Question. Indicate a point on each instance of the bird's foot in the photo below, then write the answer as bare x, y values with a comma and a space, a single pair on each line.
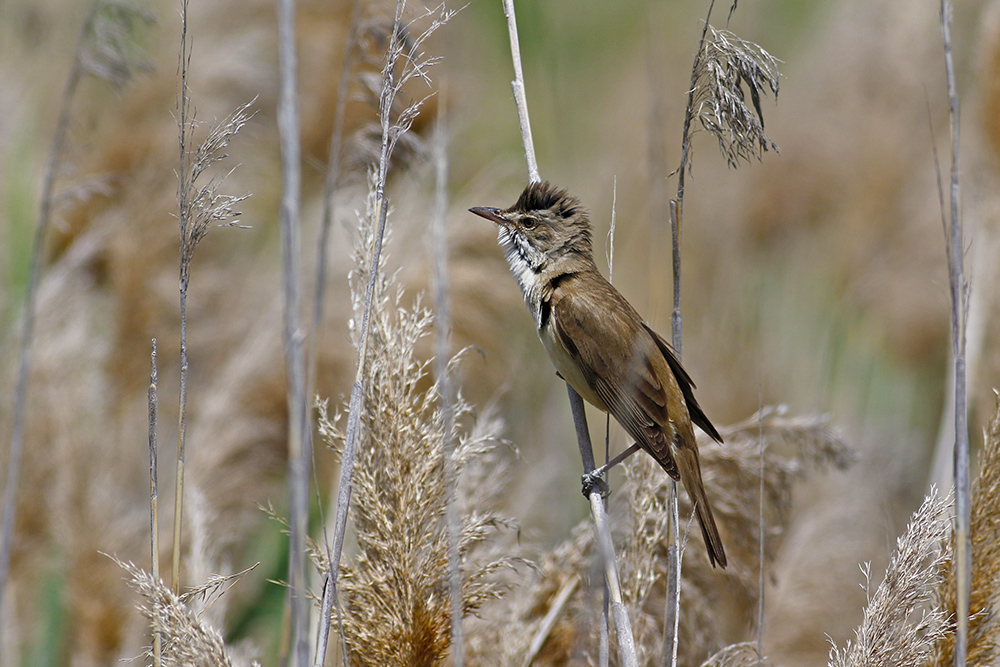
593, 480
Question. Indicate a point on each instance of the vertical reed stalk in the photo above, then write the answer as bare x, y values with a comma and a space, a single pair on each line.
28, 322
183, 193
442, 354
955, 246
299, 455
154, 500
626, 641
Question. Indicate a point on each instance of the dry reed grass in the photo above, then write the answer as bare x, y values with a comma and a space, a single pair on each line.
984, 630
898, 628
910, 616
708, 598
188, 641
844, 187
110, 284
396, 586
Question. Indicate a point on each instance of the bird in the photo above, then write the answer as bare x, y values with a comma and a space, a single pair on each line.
598, 342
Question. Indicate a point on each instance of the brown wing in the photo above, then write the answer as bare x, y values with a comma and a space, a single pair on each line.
635, 374
687, 386
622, 369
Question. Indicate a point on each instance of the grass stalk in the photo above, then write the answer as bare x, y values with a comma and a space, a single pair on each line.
716, 97
199, 207
673, 615
406, 53
549, 621
154, 500
626, 641
445, 388
604, 654
761, 535
28, 322
676, 213
299, 455
602, 532
520, 98
677, 206
183, 195
329, 598
355, 405
959, 288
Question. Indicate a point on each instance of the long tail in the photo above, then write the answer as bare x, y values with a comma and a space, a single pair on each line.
689, 467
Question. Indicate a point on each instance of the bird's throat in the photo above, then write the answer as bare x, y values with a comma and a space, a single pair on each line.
526, 267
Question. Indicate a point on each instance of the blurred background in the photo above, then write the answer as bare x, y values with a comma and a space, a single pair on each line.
815, 278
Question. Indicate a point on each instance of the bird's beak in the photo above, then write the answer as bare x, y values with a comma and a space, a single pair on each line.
490, 213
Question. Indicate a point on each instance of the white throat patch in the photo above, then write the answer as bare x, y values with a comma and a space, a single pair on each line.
523, 261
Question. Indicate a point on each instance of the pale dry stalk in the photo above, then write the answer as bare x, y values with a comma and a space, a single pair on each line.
625, 639
413, 65
959, 288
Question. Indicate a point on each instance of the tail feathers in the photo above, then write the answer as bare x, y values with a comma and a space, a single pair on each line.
690, 470
710, 533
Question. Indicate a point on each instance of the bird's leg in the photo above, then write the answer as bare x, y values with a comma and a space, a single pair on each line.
593, 478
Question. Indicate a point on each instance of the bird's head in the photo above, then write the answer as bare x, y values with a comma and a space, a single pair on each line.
545, 225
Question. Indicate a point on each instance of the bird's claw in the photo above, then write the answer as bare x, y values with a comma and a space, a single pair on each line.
591, 482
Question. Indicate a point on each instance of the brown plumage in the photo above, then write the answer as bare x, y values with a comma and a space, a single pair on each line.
599, 343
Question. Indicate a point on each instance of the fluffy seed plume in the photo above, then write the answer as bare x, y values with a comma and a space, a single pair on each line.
899, 628
396, 586
727, 64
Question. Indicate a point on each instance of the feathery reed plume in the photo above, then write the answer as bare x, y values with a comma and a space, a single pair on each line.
732, 473
899, 629
405, 61
983, 648
198, 208
793, 445
716, 98
105, 49
729, 62
397, 607
188, 641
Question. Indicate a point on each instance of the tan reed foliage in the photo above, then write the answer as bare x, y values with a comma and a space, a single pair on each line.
188, 640
731, 473
984, 633
743, 654
727, 64
395, 587
899, 626
910, 619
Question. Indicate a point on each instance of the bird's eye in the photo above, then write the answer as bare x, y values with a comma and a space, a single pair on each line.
529, 223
